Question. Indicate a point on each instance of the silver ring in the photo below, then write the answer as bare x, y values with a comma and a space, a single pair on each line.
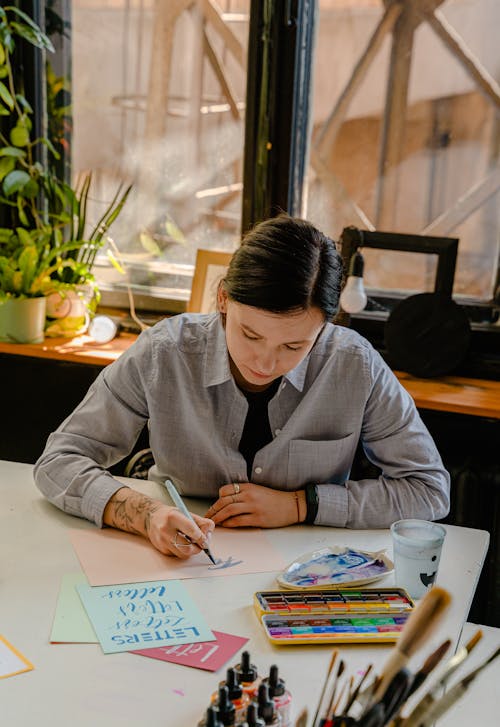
187, 541
236, 488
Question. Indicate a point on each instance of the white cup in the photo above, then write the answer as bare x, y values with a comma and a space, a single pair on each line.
417, 548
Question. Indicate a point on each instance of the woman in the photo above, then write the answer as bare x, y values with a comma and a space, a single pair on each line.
259, 407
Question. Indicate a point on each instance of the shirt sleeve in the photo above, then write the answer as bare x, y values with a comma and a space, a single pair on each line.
413, 482
102, 430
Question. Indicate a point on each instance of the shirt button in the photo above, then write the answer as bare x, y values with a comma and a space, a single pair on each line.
258, 470
283, 384
277, 431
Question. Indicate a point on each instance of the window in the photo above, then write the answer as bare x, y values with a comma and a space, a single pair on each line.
405, 134
158, 92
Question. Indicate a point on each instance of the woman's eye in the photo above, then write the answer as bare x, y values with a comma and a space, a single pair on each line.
250, 338
293, 348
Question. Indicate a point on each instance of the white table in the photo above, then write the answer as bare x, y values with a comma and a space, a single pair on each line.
76, 685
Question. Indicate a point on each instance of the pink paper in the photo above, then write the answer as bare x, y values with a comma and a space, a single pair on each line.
209, 655
110, 556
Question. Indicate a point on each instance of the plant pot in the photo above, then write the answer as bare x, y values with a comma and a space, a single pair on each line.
68, 311
22, 320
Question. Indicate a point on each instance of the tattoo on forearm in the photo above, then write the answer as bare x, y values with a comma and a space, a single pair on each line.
131, 512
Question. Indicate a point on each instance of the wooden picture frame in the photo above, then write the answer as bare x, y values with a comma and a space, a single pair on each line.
210, 268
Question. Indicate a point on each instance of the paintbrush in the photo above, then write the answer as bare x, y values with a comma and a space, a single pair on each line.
322, 695
429, 664
353, 696
440, 706
336, 706
301, 720
422, 621
340, 671
449, 668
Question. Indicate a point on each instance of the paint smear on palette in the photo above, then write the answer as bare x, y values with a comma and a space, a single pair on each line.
111, 557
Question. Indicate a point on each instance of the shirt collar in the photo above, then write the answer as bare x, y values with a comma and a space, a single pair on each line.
216, 369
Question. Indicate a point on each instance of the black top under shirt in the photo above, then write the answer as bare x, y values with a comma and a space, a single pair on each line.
256, 430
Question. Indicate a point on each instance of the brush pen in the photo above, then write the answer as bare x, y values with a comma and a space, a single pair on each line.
181, 506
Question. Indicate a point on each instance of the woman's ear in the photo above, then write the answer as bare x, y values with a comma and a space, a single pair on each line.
221, 299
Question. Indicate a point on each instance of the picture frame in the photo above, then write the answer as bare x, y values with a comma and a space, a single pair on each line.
210, 268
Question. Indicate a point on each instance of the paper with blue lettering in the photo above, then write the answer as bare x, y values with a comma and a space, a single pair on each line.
143, 615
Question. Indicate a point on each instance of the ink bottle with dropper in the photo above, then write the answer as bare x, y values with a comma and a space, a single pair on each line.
225, 707
252, 718
247, 674
266, 709
211, 718
281, 696
238, 697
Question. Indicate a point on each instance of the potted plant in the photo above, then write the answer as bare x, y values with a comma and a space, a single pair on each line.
45, 248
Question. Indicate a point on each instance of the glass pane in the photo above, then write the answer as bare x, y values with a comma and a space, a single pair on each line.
405, 136
158, 94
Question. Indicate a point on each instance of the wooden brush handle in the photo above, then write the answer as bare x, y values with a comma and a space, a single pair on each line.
423, 620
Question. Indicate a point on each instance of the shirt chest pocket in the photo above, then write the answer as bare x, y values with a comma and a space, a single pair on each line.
320, 461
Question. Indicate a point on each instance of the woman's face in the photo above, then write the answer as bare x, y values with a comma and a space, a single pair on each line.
264, 346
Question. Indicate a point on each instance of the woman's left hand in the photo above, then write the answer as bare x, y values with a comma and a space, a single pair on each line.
244, 504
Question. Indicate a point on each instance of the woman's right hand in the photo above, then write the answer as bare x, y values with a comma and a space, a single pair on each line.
162, 525
171, 532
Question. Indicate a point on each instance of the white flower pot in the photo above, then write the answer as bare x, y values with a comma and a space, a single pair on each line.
22, 320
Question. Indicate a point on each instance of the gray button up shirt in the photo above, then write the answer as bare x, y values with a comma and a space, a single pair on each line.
176, 378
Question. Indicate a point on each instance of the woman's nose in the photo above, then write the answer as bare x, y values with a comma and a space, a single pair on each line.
266, 362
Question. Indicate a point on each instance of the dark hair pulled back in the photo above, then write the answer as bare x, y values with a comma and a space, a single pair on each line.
285, 264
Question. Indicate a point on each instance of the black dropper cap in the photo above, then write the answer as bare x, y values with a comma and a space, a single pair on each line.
225, 707
265, 705
212, 718
246, 671
234, 688
253, 720
275, 684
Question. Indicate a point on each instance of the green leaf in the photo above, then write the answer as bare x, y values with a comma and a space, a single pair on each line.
50, 146
4, 111
5, 95
12, 151
31, 189
149, 244
23, 103
31, 32
19, 136
23, 218
24, 236
15, 181
28, 261
4, 72
114, 262
6, 165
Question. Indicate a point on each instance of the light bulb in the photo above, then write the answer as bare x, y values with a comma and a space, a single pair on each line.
353, 297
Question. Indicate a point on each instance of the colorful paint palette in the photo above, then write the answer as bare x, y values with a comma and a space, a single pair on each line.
368, 615
335, 566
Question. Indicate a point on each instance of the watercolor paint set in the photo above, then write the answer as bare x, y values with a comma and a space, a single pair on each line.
362, 615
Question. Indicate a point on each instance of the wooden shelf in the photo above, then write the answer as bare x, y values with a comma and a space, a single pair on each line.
476, 397
81, 349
